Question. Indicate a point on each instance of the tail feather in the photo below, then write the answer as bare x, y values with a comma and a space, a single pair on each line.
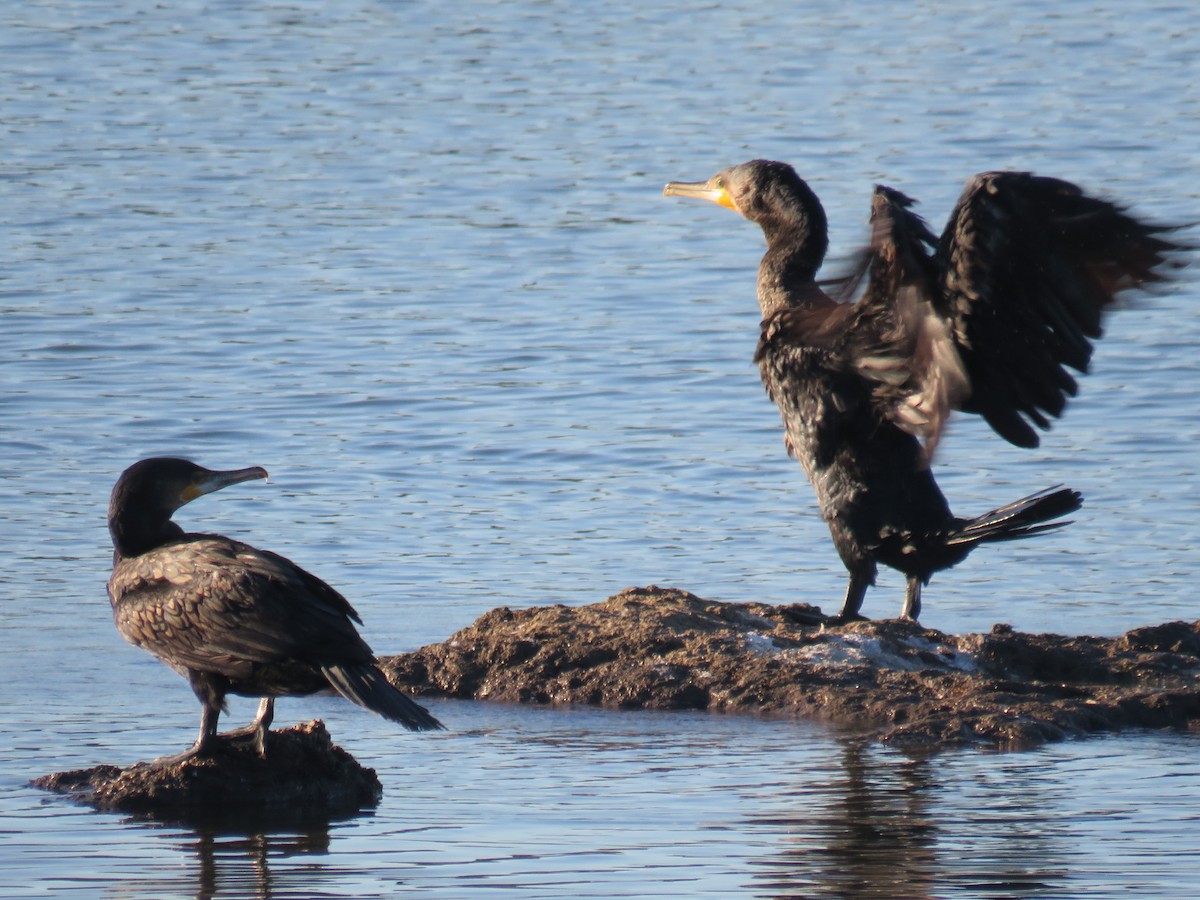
367, 686
1025, 518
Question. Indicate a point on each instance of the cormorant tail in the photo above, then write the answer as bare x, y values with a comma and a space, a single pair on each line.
1025, 518
370, 689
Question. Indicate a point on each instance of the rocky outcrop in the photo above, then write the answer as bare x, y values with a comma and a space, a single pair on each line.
660, 648
657, 648
305, 778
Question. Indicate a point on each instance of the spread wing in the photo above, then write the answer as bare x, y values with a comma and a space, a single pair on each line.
990, 317
1028, 267
895, 337
216, 605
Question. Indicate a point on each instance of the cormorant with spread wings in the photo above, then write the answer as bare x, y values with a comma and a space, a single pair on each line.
988, 318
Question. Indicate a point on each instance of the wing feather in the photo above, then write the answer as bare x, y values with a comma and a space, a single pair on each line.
995, 315
212, 604
897, 339
1029, 266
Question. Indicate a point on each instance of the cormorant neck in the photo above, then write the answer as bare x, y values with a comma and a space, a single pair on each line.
132, 537
788, 271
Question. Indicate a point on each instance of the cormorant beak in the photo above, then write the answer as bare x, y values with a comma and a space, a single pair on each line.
714, 190
206, 482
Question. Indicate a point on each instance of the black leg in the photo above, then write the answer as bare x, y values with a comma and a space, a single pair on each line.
856, 590
266, 715
257, 730
912, 600
204, 741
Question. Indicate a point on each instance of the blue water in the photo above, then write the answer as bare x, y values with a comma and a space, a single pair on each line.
413, 259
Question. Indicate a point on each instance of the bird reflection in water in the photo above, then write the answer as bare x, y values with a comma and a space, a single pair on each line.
877, 829
240, 866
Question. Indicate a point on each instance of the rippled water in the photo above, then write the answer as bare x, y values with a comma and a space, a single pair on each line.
413, 259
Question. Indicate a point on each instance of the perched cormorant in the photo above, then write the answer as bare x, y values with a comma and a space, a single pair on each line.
230, 618
985, 319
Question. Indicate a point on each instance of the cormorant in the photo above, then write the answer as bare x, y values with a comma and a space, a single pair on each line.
985, 318
230, 618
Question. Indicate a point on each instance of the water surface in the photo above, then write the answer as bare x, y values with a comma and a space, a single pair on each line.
414, 260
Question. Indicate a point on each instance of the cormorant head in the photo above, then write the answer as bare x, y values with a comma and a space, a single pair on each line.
148, 493
770, 194
761, 190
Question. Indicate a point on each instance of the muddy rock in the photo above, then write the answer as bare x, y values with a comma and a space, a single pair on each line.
662, 648
305, 777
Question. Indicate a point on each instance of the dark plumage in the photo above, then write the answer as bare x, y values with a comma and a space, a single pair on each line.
988, 318
230, 618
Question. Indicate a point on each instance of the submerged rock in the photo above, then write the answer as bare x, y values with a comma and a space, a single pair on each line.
661, 648
305, 777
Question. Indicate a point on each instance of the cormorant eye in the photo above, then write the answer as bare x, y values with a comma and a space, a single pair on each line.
719, 184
